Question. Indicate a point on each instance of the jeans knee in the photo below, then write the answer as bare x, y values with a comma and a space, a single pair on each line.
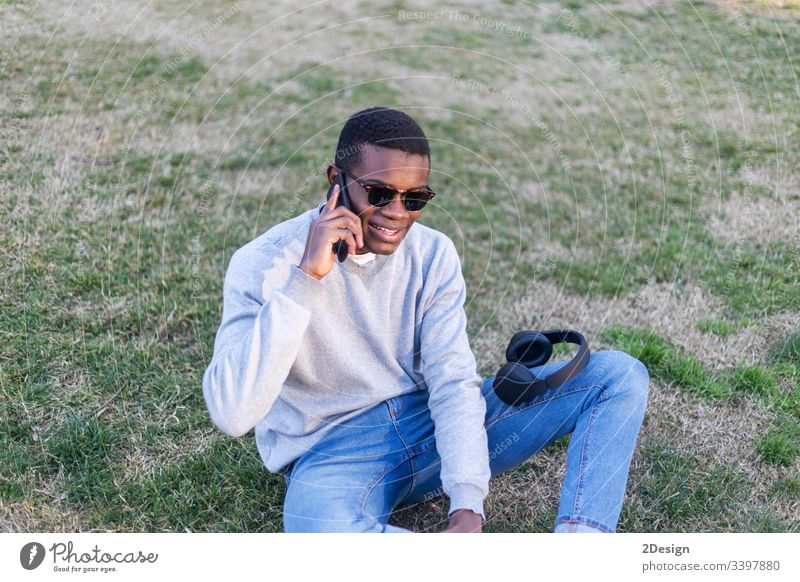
631, 374
637, 371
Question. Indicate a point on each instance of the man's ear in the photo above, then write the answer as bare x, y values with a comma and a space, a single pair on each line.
331, 171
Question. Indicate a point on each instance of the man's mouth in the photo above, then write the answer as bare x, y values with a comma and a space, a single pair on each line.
385, 233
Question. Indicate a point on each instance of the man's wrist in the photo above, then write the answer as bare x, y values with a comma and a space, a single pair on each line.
466, 496
307, 272
465, 512
466, 521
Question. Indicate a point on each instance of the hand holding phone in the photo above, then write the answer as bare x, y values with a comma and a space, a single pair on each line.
335, 224
340, 248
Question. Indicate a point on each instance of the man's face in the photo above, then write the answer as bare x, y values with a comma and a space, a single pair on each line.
385, 167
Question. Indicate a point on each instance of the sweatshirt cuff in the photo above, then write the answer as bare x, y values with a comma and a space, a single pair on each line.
301, 287
467, 496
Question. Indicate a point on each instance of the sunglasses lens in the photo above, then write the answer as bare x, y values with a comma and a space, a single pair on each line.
380, 196
416, 200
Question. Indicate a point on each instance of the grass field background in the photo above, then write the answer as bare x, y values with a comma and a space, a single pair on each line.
628, 169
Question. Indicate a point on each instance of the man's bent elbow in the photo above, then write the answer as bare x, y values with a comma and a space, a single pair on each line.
230, 429
227, 421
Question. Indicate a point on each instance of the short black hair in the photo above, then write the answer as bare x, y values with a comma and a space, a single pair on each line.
381, 126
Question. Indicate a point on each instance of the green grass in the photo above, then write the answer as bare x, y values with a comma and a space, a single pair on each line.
682, 493
667, 363
130, 171
788, 487
221, 489
789, 350
753, 380
718, 327
81, 448
780, 446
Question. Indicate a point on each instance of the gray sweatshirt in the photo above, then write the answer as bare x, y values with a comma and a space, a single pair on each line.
287, 339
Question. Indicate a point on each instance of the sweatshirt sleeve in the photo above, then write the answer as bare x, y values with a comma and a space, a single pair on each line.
257, 342
457, 406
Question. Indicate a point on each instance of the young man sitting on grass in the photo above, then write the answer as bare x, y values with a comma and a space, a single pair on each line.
358, 376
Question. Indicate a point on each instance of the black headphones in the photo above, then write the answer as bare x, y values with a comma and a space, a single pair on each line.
514, 383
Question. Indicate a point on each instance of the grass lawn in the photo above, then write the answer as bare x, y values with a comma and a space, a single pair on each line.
626, 169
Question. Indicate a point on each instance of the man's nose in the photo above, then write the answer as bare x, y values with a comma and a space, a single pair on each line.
396, 207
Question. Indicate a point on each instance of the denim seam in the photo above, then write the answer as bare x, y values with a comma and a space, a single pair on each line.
537, 403
372, 485
393, 411
413, 460
585, 521
408, 453
603, 394
581, 473
402, 439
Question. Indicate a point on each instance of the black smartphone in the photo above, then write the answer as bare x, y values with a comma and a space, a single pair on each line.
340, 247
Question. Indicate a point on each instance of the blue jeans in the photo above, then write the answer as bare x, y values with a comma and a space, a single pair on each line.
354, 478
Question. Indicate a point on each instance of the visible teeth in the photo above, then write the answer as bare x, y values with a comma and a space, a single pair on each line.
386, 230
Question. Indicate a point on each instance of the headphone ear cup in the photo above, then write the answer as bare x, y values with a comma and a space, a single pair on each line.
530, 348
511, 380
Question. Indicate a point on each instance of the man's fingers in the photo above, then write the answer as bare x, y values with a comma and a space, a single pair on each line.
334, 197
343, 233
358, 231
355, 228
347, 220
342, 217
341, 221
351, 243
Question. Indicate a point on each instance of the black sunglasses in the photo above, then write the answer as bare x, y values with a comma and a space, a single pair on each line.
377, 195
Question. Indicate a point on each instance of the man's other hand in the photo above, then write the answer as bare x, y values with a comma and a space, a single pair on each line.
465, 521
